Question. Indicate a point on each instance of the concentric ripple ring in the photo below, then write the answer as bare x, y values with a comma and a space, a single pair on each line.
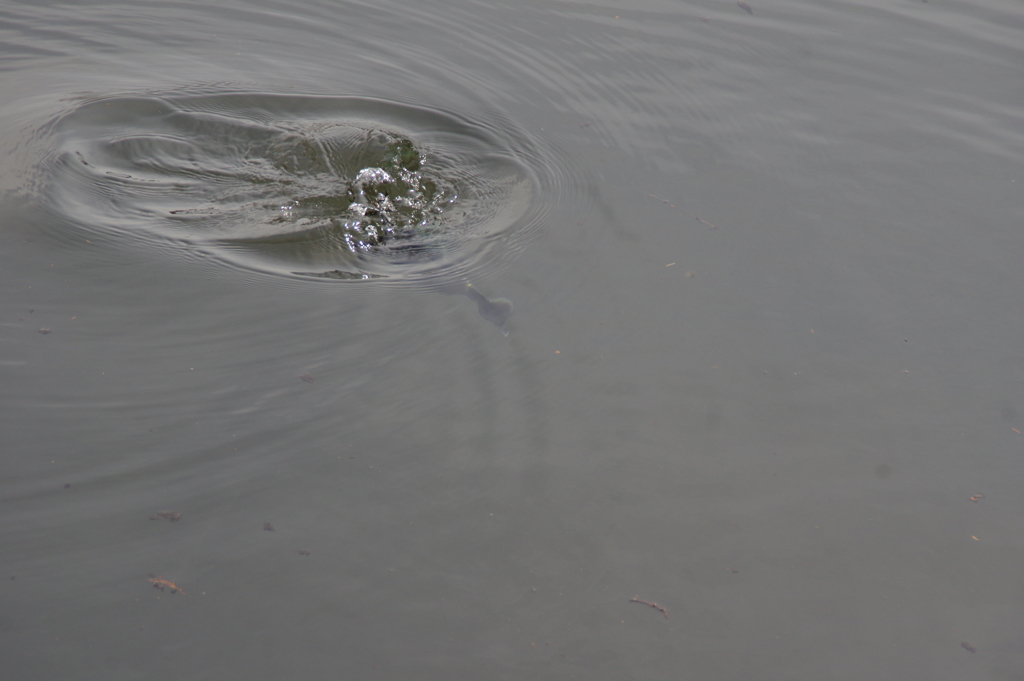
340, 188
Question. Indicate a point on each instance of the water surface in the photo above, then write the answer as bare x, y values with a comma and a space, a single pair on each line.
765, 346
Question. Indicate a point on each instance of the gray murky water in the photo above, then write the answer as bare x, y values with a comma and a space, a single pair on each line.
764, 368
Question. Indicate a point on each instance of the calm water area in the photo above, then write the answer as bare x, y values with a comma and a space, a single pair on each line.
538, 340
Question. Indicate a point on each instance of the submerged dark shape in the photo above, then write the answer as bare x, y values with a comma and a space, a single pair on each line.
497, 310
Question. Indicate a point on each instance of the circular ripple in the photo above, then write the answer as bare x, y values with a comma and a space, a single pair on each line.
330, 187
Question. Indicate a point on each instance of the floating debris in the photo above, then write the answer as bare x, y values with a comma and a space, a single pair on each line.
636, 599
267, 527
173, 516
745, 7
968, 647
161, 583
672, 205
307, 378
303, 552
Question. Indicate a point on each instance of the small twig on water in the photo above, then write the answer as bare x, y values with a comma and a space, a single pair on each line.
636, 599
663, 201
703, 222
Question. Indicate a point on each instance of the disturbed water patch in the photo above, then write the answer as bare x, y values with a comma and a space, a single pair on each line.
340, 188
